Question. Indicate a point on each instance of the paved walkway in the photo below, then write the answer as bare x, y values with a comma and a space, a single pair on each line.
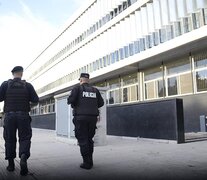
119, 159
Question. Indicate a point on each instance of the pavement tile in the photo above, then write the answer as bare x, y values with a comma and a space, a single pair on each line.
120, 158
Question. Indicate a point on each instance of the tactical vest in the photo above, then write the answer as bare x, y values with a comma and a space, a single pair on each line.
87, 103
17, 97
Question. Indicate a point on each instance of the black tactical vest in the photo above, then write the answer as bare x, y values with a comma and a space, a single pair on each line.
17, 97
87, 103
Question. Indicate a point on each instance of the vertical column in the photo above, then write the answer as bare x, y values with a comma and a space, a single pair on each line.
117, 42
151, 25
191, 6
112, 44
194, 13
135, 33
108, 46
174, 17
182, 14
103, 48
140, 38
132, 34
202, 5
121, 40
98, 13
166, 31
144, 26
126, 36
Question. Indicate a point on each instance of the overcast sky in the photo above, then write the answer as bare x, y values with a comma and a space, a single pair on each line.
27, 26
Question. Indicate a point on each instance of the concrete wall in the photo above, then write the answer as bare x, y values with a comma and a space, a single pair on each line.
194, 107
122, 119
154, 119
45, 121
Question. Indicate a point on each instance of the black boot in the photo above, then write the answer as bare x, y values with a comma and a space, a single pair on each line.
23, 165
91, 152
11, 165
86, 163
91, 159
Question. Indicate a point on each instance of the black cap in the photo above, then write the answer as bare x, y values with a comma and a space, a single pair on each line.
17, 69
85, 75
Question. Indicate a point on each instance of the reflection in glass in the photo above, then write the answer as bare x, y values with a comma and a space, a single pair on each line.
114, 83
125, 94
121, 53
177, 29
126, 51
131, 49
169, 32
161, 88
134, 93
116, 55
201, 80
172, 86
148, 41
150, 90
111, 97
155, 37
142, 44
186, 25
124, 5
136, 47
163, 35
104, 61
196, 20
186, 83
112, 58
200, 62
129, 79
120, 8
180, 66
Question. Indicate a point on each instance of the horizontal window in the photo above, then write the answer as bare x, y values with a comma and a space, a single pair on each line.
200, 60
178, 67
130, 93
186, 83
114, 83
201, 80
114, 96
129, 79
153, 74
154, 89
172, 86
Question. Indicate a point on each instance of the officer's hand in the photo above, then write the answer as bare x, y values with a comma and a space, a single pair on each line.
98, 119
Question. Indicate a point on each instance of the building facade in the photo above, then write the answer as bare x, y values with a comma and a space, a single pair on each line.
141, 50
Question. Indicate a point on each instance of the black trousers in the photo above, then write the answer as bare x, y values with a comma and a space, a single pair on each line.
85, 127
14, 121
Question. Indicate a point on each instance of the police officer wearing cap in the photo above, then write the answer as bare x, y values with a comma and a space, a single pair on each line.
85, 101
17, 95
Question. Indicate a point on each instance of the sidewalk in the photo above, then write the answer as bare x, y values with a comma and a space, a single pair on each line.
119, 159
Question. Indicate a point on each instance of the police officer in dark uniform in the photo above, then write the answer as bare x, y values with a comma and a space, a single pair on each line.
85, 101
17, 95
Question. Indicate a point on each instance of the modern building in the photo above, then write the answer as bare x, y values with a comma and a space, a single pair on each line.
141, 50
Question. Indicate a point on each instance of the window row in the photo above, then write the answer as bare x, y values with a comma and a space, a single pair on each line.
115, 6
141, 31
44, 107
187, 75
181, 77
112, 47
